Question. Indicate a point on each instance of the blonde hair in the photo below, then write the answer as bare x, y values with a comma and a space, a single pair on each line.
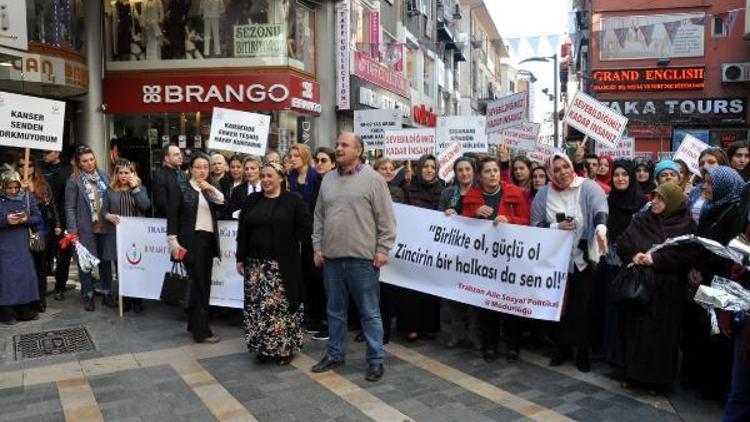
252, 159
303, 151
381, 162
115, 182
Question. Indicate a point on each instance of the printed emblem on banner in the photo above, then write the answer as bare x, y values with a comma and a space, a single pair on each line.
134, 256
151, 94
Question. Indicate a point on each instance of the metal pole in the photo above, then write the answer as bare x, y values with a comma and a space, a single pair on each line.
554, 107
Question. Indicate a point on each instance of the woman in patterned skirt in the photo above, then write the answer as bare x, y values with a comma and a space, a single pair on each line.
271, 226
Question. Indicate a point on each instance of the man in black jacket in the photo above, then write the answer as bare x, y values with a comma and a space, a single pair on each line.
168, 182
57, 172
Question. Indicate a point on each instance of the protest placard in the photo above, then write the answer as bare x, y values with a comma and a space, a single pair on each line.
541, 152
370, 125
625, 148
239, 131
31, 122
408, 144
689, 151
446, 159
522, 137
466, 130
143, 258
518, 270
507, 112
595, 119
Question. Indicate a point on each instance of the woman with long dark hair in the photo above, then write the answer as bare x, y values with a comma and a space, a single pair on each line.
739, 158
272, 224
193, 236
644, 175
84, 195
539, 179
520, 175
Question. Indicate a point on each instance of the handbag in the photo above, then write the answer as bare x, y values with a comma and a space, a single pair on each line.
628, 287
37, 243
177, 285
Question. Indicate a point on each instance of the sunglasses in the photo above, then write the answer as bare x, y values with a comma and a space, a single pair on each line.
322, 160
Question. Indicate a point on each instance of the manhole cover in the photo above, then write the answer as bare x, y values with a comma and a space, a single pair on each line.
53, 342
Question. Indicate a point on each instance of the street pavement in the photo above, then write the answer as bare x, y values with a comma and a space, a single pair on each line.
145, 367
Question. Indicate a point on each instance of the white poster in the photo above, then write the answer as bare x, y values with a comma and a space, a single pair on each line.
143, 259
625, 148
31, 122
541, 152
239, 131
517, 270
596, 120
409, 144
507, 112
469, 131
446, 159
260, 40
522, 137
689, 151
13, 30
653, 36
371, 125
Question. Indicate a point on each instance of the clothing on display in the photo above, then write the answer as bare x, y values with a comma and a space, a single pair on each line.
151, 20
211, 10
176, 33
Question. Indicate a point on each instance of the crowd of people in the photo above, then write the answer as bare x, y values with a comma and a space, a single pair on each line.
314, 229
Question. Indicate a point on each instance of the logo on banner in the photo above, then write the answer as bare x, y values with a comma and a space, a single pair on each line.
134, 256
254, 93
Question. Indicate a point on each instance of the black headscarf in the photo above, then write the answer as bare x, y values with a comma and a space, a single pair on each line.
648, 186
623, 203
420, 164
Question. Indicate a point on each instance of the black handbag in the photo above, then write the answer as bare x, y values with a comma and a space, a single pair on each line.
628, 287
177, 286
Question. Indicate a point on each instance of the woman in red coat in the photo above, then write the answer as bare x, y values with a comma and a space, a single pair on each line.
506, 203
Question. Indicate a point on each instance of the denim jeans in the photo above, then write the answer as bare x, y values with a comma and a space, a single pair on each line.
738, 404
105, 272
359, 278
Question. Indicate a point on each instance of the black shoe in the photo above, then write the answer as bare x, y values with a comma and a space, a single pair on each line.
60, 295
138, 306
88, 302
41, 306
108, 301
326, 364
359, 338
582, 362
321, 335
489, 355
512, 355
374, 372
263, 358
386, 338
312, 327
284, 360
559, 358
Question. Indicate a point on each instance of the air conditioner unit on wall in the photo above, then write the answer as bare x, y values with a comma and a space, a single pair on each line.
735, 72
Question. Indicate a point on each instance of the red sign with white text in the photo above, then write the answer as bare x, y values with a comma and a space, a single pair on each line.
378, 74
177, 94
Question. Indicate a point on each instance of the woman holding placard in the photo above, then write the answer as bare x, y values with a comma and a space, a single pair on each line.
578, 205
125, 197
503, 203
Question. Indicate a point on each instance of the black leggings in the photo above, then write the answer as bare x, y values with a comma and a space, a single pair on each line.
201, 260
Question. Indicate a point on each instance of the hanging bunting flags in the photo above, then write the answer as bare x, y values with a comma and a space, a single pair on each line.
672, 28
698, 21
554, 42
648, 33
622, 35
729, 18
534, 43
514, 44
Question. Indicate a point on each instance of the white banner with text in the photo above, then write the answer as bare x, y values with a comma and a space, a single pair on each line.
517, 270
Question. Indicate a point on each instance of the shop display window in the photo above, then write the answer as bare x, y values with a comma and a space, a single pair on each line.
57, 23
156, 34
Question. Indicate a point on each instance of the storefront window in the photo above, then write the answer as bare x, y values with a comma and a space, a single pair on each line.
58, 23
141, 34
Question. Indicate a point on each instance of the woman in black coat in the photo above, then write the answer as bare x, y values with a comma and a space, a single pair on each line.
193, 236
646, 339
419, 313
272, 224
251, 172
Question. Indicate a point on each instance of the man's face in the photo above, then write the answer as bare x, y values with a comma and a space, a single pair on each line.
348, 150
593, 167
51, 157
173, 157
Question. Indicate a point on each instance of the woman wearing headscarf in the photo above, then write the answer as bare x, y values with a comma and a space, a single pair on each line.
604, 173
419, 313
644, 170
503, 203
578, 205
624, 201
463, 318
720, 218
708, 158
18, 280
646, 339
84, 195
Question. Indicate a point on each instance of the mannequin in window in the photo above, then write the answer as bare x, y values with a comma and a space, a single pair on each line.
282, 12
123, 29
152, 19
211, 10
176, 20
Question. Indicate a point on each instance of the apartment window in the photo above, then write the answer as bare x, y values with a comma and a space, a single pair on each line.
429, 71
411, 67
512, 86
718, 29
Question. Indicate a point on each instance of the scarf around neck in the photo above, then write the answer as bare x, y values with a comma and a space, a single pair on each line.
95, 189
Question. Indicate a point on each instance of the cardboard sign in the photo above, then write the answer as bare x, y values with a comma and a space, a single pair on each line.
595, 119
507, 112
239, 131
522, 137
31, 122
690, 149
541, 152
625, 148
409, 144
446, 159
370, 125
467, 130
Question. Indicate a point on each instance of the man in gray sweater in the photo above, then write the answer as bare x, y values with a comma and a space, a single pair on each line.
354, 229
